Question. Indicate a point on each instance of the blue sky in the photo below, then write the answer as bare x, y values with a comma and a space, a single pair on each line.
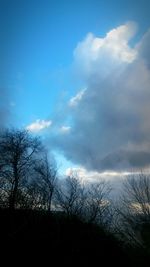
37, 43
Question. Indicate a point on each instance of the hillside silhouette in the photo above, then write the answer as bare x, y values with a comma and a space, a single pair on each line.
55, 237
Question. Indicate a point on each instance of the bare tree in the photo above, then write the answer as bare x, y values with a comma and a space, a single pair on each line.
90, 202
18, 150
97, 207
46, 178
70, 196
134, 209
137, 188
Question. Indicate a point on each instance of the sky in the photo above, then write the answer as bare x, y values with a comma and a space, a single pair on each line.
78, 74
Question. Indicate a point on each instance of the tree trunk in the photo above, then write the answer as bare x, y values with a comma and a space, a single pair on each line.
13, 196
50, 202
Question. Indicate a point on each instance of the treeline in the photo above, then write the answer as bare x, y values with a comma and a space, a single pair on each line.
29, 180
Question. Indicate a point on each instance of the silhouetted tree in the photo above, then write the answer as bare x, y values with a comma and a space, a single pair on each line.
87, 201
18, 151
134, 208
97, 206
45, 182
137, 188
70, 197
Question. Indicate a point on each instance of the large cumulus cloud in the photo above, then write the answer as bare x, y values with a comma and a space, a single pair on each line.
110, 117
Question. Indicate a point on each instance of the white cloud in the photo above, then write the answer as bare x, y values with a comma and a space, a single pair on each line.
65, 129
96, 54
114, 178
90, 176
39, 125
76, 99
111, 124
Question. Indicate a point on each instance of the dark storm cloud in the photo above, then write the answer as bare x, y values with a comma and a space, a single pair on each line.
110, 120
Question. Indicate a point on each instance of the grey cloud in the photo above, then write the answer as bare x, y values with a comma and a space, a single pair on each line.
111, 123
125, 159
144, 49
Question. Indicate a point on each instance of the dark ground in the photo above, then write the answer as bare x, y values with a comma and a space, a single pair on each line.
31, 237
